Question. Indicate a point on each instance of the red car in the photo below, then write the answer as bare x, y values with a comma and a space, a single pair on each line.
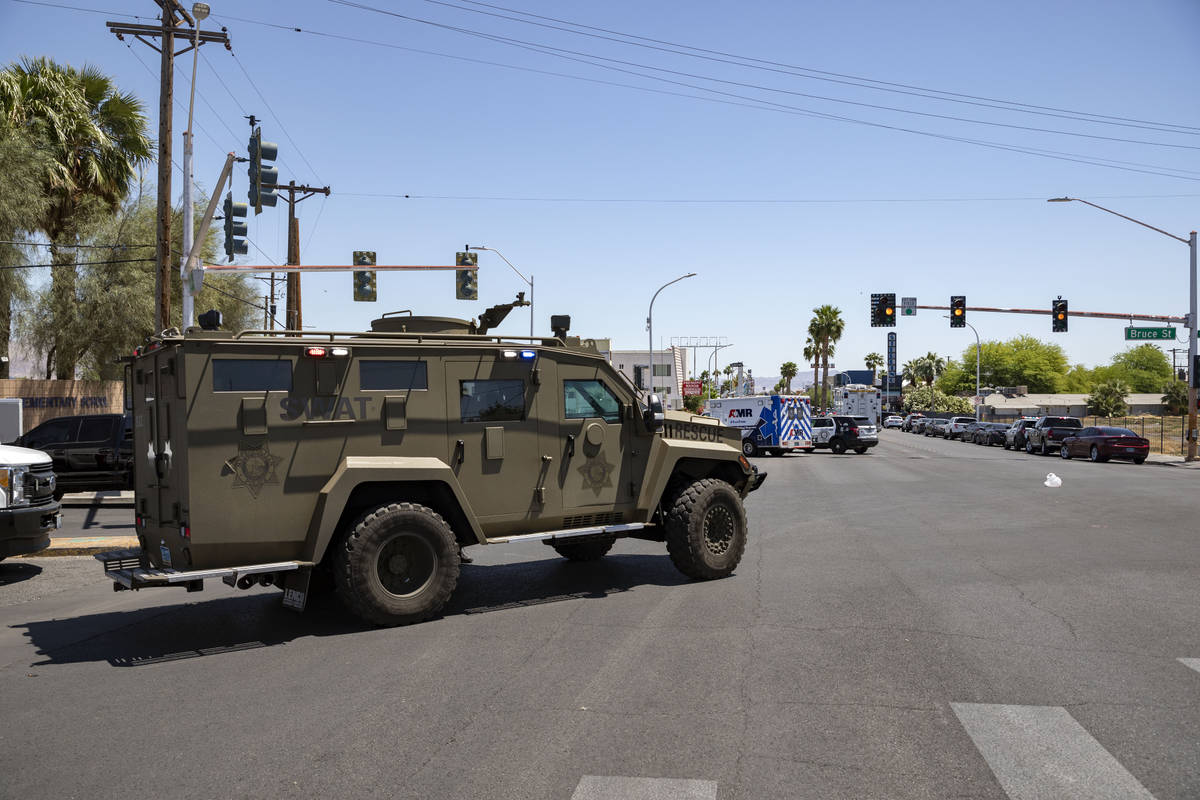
1103, 443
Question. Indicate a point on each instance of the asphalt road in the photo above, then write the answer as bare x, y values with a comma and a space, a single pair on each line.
926, 621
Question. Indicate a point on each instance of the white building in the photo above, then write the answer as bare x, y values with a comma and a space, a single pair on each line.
669, 366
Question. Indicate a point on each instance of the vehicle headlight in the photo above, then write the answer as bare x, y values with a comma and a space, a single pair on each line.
12, 487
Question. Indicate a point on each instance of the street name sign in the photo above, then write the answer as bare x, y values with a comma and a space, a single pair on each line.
908, 306
1150, 334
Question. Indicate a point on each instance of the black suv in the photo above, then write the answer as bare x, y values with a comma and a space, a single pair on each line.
91, 453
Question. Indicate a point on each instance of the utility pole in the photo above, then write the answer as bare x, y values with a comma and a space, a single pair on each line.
172, 10
294, 318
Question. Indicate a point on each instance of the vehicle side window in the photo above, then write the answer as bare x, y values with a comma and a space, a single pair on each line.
56, 431
492, 400
98, 429
251, 375
589, 398
392, 375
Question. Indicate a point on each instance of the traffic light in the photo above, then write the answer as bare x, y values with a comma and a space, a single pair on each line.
466, 281
1058, 314
958, 311
364, 280
263, 177
883, 310
234, 229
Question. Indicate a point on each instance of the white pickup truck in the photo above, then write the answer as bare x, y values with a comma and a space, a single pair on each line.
28, 510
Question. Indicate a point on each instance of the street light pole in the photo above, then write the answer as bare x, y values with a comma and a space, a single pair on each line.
1193, 377
650, 322
978, 406
528, 281
188, 310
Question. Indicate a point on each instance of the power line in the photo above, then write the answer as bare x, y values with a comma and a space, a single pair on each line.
743, 201
96, 246
79, 263
832, 77
551, 50
750, 102
282, 127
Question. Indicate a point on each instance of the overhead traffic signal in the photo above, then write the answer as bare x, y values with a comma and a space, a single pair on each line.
958, 311
466, 281
1058, 315
263, 177
883, 310
364, 280
235, 246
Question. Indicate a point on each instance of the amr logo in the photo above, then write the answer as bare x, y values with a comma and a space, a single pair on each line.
741, 412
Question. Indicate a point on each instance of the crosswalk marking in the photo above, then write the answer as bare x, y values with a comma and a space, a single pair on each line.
612, 787
1041, 752
1194, 663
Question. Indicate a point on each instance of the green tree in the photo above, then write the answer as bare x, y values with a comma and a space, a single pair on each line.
826, 329
929, 398
787, 371
116, 296
1108, 399
22, 202
1080, 379
811, 357
1144, 368
693, 403
95, 138
1175, 397
910, 371
956, 378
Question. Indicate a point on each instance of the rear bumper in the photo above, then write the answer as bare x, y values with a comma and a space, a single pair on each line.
131, 570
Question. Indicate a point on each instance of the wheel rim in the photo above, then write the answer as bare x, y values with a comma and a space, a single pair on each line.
405, 565
747, 448
720, 525
1095, 454
1064, 452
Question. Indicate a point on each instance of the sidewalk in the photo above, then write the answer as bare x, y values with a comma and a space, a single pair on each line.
1171, 461
84, 546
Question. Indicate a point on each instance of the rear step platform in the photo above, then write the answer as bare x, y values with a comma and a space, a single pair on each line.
130, 570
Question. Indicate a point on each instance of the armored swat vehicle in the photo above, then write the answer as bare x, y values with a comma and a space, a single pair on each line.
367, 461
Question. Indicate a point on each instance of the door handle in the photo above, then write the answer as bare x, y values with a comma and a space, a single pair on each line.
570, 445
460, 448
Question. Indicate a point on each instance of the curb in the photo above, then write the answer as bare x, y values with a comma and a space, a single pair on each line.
84, 546
90, 499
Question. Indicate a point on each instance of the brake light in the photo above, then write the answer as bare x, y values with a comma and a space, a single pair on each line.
315, 352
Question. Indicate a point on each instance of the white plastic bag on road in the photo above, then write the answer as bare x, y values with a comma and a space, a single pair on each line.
1053, 481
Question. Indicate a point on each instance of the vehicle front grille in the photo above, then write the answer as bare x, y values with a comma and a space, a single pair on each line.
40, 484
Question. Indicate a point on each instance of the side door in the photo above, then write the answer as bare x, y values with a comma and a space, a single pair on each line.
494, 412
52, 437
822, 430
1082, 443
596, 469
92, 450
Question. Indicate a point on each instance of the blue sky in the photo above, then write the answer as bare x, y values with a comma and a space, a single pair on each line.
604, 192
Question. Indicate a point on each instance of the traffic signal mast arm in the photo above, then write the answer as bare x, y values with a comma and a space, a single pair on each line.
1048, 312
318, 267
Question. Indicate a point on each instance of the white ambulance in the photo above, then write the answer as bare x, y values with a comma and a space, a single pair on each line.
770, 423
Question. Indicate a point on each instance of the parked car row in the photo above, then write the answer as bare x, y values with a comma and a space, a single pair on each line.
1049, 435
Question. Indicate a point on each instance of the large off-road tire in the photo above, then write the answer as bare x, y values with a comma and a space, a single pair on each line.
749, 448
837, 446
397, 565
705, 529
592, 550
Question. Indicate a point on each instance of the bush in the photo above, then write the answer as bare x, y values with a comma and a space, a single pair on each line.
927, 398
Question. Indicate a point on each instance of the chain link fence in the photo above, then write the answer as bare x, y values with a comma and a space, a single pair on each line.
1166, 434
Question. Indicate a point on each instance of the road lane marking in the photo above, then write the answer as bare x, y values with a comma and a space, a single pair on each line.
1194, 663
1041, 751
611, 787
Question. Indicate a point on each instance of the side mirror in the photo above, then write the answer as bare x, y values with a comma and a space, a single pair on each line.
654, 416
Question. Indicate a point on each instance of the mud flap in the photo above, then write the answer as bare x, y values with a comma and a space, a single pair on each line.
295, 588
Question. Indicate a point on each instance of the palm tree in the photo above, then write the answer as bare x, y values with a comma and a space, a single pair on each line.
1175, 397
826, 329
787, 371
911, 371
873, 362
811, 357
96, 139
930, 367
